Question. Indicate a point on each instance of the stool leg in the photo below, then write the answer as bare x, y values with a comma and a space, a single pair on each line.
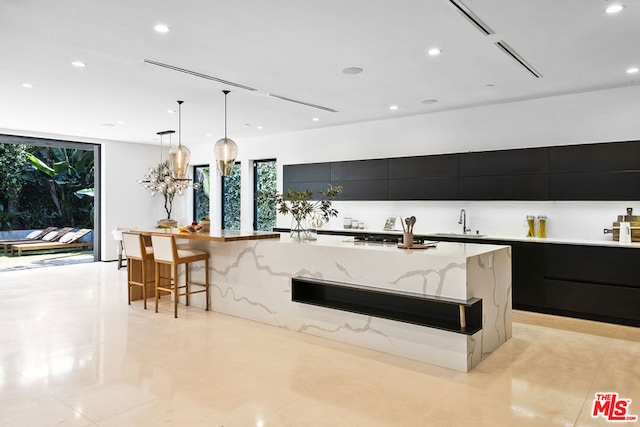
144, 282
186, 283
175, 291
157, 283
206, 283
128, 283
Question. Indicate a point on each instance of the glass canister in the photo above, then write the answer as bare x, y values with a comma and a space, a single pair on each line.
531, 225
542, 226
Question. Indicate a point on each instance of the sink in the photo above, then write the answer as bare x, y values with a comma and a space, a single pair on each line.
466, 236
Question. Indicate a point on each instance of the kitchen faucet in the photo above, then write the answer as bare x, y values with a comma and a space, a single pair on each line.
463, 221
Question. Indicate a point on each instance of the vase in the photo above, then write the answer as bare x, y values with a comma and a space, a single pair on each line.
167, 223
300, 229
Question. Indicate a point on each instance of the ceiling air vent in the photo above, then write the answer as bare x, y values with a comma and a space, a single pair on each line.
195, 73
516, 57
471, 17
319, 107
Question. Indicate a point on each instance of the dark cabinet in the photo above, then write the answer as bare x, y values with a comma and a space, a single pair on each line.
313, 176
439, 166
424, 178
606, 157
505, 187
595, 171
527, 272
360, 170
597, 264
608, 171
528, 161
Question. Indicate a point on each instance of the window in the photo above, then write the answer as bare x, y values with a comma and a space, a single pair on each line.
264, 180
231, 200
201, 194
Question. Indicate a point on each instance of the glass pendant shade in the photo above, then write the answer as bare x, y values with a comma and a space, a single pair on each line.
179, 157
226, 152
225, 149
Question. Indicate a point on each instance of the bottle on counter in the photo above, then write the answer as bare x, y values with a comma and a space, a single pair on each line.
542, 226
531, 224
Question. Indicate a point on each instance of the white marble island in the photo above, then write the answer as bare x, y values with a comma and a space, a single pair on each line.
253, 280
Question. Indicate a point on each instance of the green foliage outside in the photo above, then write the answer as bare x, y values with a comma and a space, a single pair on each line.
45, 186
231, 200
265, 184
202, 194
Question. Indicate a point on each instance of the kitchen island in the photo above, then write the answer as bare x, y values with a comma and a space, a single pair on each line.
449, 305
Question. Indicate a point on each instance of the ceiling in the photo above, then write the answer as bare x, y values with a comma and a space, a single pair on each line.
295, 49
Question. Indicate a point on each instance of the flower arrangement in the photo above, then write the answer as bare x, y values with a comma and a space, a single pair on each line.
301, 206
159, 180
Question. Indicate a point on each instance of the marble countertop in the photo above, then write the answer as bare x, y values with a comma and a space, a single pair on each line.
442, 249
215, 235
436, 236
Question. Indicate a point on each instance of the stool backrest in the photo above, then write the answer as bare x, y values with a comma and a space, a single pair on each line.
164, 248
133, 245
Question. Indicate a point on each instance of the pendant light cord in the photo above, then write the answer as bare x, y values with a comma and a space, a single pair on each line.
226, 92
180, 123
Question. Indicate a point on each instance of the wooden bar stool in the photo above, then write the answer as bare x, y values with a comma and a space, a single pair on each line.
138, 255
166, 252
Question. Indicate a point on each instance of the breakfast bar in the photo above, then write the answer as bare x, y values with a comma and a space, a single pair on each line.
449, 305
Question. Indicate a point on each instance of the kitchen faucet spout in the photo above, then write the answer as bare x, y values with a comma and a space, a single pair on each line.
463, 221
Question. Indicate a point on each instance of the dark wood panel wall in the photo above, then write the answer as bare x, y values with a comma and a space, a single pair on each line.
605, 171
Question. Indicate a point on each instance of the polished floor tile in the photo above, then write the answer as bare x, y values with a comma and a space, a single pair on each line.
72, 352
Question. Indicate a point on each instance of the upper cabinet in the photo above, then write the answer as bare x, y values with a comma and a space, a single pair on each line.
609, 171
505, 175
595, 172
424, 178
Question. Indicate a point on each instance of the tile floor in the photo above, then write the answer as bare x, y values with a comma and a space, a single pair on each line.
72, 352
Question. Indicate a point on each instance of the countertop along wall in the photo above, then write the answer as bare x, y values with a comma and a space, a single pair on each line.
591, 117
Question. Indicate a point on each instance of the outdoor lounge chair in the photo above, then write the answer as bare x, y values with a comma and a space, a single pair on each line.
71, 240
34, 236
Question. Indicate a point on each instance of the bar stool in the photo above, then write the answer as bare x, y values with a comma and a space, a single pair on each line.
137, 254
166, 252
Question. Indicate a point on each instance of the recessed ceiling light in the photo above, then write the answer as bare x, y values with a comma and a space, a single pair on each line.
434, 51
171, 111
393, 107
429, 101
28, 85
120, 122
614, 8
488, 85
352, 70
633, 70
315, 119
260, 127
208, 135
78, 64
161, 28
108, 125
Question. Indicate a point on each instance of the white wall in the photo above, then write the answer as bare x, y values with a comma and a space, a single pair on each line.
599, 116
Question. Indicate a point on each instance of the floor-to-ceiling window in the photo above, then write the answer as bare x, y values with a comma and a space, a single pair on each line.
264, 181
201, 193
231, 200
50, 182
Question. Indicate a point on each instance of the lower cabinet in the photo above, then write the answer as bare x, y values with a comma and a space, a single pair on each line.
594, 300
527, 275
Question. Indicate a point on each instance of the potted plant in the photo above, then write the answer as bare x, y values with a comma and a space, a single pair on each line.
302, 208
158, 180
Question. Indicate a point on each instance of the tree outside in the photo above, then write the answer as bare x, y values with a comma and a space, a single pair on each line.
231, 199
45, 186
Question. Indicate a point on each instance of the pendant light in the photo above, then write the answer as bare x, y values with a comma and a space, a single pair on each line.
179, 155
225, 149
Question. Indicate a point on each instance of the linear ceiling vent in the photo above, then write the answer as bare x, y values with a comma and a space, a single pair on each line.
516, 57
195, 73
319, 107
472, 17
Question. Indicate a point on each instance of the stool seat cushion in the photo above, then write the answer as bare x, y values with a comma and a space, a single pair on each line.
189, 252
